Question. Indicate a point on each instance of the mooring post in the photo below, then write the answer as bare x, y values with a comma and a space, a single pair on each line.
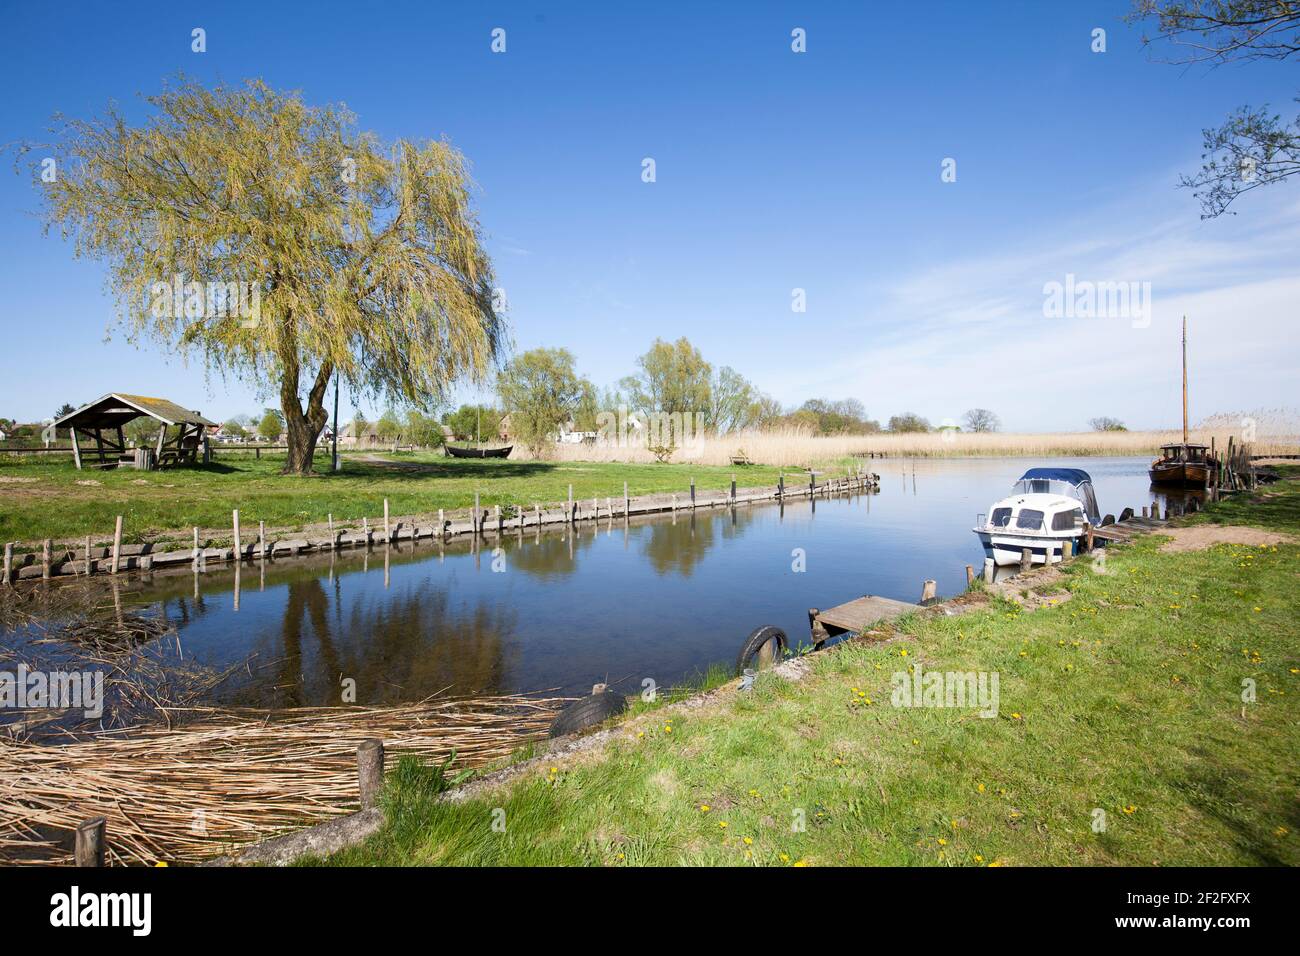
500, 526
45, 560
674, 504
9, 562
1145, 511
970, 575
475, 518
812, 483
990, 570
88, 846
370, 771
929, 590
780, 486
194, 552
595, 509
117, 544
1026, 559
1087, 537
538, 509
90, 562
733, 489
261, 539
627, 502
388, 537
238, 549
1067, 549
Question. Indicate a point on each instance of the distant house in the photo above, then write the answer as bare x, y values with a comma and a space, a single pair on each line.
3, 435
351, 436
503, 430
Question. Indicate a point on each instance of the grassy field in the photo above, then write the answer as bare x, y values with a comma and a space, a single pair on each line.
41, 499
1121, 738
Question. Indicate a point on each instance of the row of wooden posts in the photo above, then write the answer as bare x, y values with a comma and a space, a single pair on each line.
90, 844
479, 525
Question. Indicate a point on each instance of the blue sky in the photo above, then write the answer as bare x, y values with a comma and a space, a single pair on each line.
775, 171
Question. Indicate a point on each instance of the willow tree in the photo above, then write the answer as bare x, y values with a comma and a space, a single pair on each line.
276, 241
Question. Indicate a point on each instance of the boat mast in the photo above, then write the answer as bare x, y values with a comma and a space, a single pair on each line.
1184, 380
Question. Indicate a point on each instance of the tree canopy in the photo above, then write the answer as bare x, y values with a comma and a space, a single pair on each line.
1253, 146
341, 254
540, 391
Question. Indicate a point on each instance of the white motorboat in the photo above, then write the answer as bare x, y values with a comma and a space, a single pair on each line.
1046, 508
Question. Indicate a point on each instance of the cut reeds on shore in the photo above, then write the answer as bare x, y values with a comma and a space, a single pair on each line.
230, 777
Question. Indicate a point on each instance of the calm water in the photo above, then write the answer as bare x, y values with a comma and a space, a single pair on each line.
661, 598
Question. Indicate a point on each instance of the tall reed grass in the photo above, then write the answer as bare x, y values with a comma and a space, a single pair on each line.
788, 446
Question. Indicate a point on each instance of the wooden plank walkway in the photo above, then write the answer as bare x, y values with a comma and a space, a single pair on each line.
1127, 529
855, 616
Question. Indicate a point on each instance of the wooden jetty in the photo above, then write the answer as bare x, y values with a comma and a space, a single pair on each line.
854, 617
83, 556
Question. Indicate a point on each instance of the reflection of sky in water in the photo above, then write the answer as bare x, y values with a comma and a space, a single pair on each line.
661, 599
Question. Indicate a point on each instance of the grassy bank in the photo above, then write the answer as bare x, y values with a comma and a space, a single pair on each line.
53, 499
1120, 702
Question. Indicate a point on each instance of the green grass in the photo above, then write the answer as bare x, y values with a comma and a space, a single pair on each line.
1124, 697
40, 499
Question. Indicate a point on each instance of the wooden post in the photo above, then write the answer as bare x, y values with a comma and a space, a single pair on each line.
370, 771
365, 529
812, 483
1067, 549
45, 560
261, 538
117, 545
388, 537
1145, 511
990, 570
538, 509
88, 848
571, 511
194, 552
929, 590
970, 575
238, 549
334, 541
500, 526
76, 449
1087, 537
90, 562
442, 523
627, 502
733, 489
1026, 559
780, 486
595, 509
9, 562
674, 504
692, 492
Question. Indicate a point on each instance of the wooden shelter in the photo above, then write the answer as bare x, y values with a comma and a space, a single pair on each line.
102, 421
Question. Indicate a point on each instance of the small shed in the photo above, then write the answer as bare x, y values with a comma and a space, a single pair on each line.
102, 421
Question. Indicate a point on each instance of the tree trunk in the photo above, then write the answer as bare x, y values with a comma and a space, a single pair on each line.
303, 427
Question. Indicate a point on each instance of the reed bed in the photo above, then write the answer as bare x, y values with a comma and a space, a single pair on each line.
233, 776
795, 447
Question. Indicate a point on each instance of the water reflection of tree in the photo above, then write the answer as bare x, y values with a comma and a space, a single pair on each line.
399, 646
550, 557
680, 546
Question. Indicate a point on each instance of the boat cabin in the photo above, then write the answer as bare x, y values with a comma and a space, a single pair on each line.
1185, 451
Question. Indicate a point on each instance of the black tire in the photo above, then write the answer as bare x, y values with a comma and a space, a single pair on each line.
588, 712
756, 640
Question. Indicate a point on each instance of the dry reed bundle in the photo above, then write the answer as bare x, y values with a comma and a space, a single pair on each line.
233, 776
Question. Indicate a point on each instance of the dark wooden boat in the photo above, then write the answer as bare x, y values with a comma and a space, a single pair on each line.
457, 452
1184, 464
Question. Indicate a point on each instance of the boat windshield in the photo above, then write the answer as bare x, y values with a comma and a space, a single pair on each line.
1081, 492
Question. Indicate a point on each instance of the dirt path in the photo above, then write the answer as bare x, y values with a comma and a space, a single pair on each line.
1200, 537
